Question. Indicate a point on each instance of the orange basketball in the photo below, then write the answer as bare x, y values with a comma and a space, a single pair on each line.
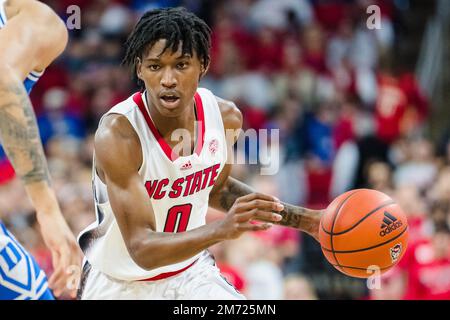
363, 230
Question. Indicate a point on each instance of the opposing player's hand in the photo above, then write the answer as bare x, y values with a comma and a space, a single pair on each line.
245, 210
66, 254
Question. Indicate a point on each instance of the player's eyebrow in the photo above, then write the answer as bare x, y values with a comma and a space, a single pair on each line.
157, 59
152, 59
184, 56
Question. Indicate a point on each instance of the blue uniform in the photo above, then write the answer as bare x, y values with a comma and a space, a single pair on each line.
20, 276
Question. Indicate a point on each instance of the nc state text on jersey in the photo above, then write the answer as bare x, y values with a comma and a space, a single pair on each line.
182, 187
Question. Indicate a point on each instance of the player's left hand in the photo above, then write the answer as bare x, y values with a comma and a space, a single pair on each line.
66, 254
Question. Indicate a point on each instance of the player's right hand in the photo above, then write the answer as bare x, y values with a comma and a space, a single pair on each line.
245, 210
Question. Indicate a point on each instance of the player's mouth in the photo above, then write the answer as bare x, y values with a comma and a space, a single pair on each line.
169, 101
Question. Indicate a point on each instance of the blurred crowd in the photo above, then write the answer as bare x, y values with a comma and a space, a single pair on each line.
350, 111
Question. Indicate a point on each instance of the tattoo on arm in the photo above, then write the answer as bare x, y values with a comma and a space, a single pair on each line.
19, 133
233, 190
292, 215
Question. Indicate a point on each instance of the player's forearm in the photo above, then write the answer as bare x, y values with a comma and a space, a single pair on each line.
156, 249
43, 198
19, 132
293, 216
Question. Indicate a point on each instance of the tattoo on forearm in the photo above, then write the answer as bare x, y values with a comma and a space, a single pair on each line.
292, 215
19, 134
233, 190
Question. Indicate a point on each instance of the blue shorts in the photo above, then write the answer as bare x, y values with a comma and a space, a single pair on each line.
20, 276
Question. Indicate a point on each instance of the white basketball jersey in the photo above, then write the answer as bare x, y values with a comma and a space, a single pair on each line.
178, 187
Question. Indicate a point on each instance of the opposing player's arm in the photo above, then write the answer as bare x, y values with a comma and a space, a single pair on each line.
34, 36
118, 159
31, 39
227, 189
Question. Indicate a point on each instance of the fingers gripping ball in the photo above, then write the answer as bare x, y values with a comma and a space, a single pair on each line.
363, 228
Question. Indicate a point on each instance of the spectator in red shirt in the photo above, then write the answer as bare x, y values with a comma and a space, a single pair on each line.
390, 107
314, 45
330, 13
267, 51
225, 33
401, 107
428, 267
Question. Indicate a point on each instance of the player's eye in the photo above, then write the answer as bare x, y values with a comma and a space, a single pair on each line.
182, 65
153, 67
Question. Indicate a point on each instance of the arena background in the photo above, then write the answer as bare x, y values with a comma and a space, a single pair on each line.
355, 107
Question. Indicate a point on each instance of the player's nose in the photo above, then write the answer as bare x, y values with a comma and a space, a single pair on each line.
168, 79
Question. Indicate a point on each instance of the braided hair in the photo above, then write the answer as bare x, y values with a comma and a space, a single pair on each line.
173, 24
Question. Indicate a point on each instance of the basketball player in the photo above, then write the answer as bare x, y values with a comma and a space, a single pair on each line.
31, 37
150, 239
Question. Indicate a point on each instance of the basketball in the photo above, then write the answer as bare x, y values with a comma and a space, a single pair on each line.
363, 230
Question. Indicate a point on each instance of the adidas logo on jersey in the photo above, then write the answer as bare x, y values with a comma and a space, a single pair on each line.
186, 166
390, 223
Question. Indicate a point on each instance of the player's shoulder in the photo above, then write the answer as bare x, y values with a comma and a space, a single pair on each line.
114, 125
29, 6
116, 142
42, 15
37, 21
231, 115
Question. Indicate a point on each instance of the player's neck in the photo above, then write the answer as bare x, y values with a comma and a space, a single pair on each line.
167, 125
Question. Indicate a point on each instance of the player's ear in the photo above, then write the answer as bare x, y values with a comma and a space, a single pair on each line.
204, 69
138, 68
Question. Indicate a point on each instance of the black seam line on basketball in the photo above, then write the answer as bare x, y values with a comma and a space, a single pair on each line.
388, 203
356, 268
334, 221
364, 249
